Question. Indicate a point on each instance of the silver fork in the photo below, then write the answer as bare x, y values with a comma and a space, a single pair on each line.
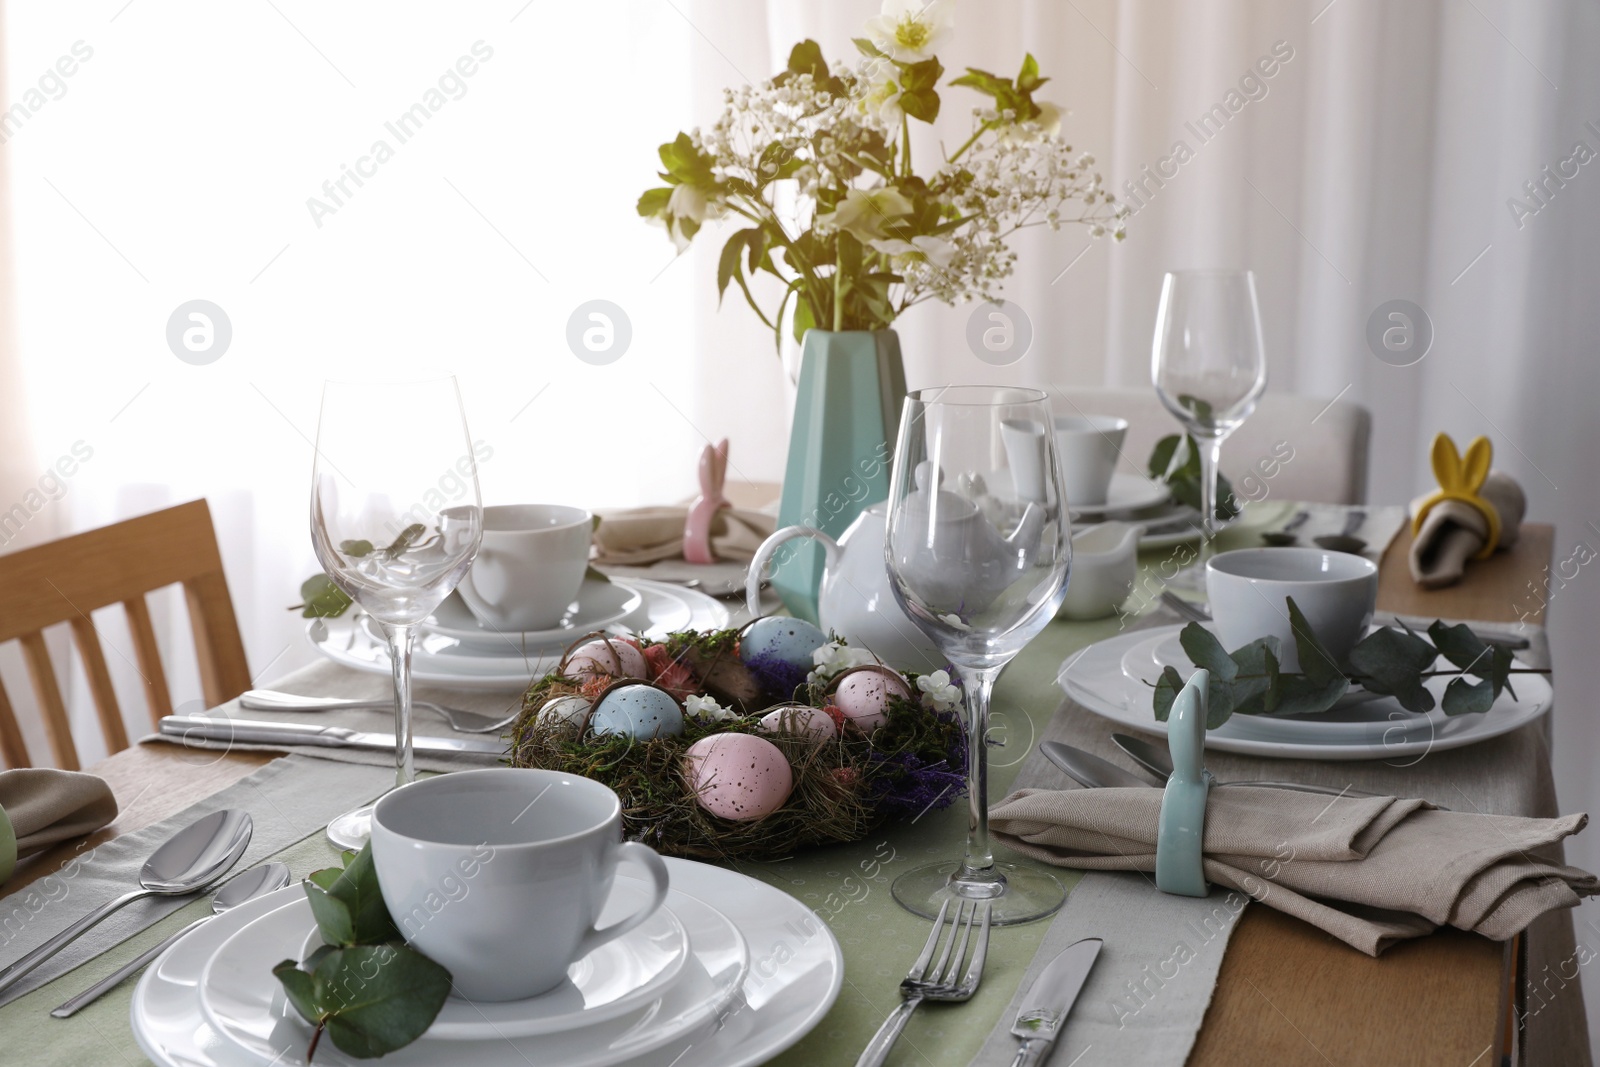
466, 722
941, 983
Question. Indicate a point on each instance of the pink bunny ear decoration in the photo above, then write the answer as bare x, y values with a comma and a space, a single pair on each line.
697, 527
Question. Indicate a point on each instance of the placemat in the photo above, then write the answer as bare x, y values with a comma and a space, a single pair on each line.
287, 799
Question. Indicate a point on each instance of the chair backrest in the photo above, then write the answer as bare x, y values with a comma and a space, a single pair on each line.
66, 580
1329, 441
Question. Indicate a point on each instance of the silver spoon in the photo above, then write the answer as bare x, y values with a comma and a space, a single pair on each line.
187, 862
1285, 537
1343, 541
1159, 763
267, 878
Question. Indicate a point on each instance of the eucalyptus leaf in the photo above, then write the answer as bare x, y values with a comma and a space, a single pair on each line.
322, 599
356, 549
1299, 695
1391, 662
1256, 677
353, 903
378, 998
1462, 697
1461, 647
1316, 662
1175, 460
1204, 650
299, 988
334, 921
1168, 686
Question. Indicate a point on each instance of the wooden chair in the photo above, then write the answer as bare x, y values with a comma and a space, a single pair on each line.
66, 580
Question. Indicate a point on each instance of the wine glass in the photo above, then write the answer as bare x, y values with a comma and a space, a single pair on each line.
384, 528
978, 547
1209, 367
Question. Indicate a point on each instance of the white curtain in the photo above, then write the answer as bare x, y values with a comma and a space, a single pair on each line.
1379, 160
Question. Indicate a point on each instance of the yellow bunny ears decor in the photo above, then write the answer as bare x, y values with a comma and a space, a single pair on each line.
1460, 478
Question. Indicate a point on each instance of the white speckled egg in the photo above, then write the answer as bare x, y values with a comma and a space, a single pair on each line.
565, 711
800, 720
637, 711
790, 640
863, 695
738, 776
619, 659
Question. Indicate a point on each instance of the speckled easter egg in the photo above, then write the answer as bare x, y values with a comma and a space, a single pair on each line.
637, 711
566, 712
738, 776
618, 659
863, 695
800, 720
789, 640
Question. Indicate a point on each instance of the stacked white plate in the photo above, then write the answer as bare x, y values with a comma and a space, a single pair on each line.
729, 967
1116, 678
454, 649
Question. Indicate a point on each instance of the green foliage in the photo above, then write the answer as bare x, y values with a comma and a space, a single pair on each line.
321, 599
1390, 661
1009, 95
365, 987
1176, 461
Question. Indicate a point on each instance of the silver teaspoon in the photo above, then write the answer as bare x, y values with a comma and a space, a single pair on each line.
188, 861
257, 881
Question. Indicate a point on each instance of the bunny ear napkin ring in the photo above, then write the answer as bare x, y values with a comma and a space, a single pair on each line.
1460, 478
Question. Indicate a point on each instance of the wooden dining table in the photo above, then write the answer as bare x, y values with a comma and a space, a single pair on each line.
1443, 999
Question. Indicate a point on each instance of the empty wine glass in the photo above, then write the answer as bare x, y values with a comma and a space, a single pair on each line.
1209, 367
384, 530
978, 547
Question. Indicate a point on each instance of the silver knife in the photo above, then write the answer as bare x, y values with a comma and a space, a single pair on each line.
1045, 1007
257, 732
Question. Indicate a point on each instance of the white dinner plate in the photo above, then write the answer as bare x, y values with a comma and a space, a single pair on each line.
1127, 492
1376, 729
599, 604
440, 660
620, 975
794, 976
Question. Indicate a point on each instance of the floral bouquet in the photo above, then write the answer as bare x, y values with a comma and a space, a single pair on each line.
815, 165
746, 743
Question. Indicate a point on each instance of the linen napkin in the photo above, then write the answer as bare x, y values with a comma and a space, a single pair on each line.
45, 806
635, 536
1369, 871
1453, 532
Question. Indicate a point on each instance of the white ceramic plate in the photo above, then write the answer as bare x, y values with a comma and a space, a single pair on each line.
1378, 729
615, 978
441, 660
1127, 492
795, 973
242, 1001
599, 604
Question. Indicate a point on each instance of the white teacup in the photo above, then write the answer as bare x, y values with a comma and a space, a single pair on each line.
1336, 591
498, 874
530, 567
1089, 446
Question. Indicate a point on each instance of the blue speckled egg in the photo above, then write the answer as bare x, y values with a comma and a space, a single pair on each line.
637, 711
790, 640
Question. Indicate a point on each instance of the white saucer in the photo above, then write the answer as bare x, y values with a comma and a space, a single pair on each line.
352, 640
1127, 492
242, 1000
599, 604
795, 972
615, 978
1375, 729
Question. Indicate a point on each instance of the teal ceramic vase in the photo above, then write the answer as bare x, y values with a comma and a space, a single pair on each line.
846, 415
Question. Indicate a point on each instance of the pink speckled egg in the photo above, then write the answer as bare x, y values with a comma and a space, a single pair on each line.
618, 659
738, 776
800, 720
863, 695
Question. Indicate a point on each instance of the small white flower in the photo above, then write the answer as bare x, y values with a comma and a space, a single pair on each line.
938, 692
911, 30
706, 707
882, 97
934, 250
835, 657
862, 214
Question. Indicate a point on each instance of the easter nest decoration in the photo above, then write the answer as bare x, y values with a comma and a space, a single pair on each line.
751, 743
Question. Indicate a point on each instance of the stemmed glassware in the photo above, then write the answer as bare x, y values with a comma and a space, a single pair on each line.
978, 547
384, 530
1209, 367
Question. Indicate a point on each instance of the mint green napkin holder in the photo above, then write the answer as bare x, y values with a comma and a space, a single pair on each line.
1180, 838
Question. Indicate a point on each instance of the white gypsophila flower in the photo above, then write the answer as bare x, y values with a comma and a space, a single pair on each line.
912, 30
836, 657
706, 707
938, 692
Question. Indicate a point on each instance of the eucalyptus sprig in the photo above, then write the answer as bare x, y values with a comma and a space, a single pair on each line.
371, 992
1176, 461
1390, 661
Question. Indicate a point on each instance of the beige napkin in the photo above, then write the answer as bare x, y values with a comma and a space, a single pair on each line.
1369, 871
46, 805
637, 536
1453, 532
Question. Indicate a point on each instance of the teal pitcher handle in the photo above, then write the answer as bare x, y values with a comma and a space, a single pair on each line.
1180, 840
